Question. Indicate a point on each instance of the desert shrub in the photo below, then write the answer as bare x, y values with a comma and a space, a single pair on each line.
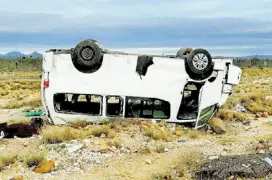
183, 168
158, 133
228, 115
194, 134
144, 150
160, 148
115, 142
79, 123
34, 158
57, 134
32, 103
98, 130
7, 158
19, 121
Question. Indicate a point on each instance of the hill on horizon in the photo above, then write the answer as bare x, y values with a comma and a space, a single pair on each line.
18, 54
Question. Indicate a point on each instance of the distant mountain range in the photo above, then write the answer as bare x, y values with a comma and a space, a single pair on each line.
17, 54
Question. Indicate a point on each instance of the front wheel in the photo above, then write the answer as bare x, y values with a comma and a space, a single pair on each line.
183, 52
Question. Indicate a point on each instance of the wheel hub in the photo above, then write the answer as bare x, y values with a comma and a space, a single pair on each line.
87, 53
200, 61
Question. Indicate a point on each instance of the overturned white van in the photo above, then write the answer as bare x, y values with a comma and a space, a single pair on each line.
95, 84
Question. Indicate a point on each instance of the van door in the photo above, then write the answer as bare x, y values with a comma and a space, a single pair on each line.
234, 75
209, 97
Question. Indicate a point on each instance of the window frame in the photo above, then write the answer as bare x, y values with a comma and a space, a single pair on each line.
78, 113
121, 106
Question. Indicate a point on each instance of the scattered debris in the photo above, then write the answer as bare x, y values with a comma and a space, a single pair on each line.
259, 115
35, 113
217, 125
148, 161
265, 115
268, 98
213, 157
45, 167
181, 140
18, 130
246, 123
239, 108
268, 160
249, 166
73, 147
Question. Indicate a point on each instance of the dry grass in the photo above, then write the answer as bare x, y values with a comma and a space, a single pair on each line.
57, 134
158, 133
19, 75
144, 150
187, 163
19, 121
31, 103
229, 115
100, 130
116, 143
194, 134
7, 158
20, 94
160, 148
34, 158
79, 124
250, 93
13, 154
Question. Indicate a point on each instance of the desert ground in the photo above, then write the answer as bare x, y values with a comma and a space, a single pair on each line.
133, 149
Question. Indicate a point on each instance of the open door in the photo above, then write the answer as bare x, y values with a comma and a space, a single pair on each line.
209, 97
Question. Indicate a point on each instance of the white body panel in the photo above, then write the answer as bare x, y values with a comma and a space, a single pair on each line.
165, 80
234, 75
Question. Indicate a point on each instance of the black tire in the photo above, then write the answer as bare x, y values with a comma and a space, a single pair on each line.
199, 64
183, 52
37, 123
87, 55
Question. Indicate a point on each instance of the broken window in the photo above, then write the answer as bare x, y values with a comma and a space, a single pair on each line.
78, 103
189, 104
138, 107
114, 106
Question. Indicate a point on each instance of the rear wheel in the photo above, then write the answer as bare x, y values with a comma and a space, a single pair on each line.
199, 64
87, 56
183, 52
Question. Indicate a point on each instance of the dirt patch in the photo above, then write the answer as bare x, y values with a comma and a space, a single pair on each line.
243, 166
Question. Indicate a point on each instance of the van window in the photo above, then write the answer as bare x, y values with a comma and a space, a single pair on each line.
138, 107
78, 103
114, 106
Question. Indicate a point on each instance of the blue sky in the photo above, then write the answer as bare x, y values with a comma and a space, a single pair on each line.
155, 26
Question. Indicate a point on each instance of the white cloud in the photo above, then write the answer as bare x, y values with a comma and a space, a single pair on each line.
214, 50
260, 9
201, 18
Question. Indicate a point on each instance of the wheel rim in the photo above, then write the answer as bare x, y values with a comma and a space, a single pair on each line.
87, 53
200, 61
